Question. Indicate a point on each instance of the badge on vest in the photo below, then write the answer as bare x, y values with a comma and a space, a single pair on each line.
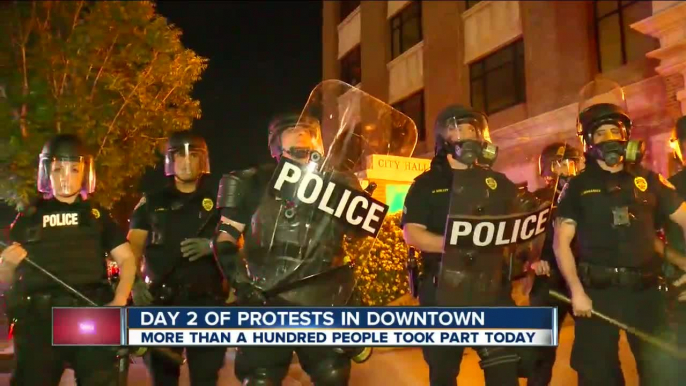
207, 204
491, 183
95, 212
60, 220
641, 183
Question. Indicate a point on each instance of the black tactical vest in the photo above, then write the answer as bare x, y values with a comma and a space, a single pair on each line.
599, 240
172, 219
73, 253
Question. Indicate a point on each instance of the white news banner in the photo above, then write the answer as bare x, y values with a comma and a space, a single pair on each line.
339, 337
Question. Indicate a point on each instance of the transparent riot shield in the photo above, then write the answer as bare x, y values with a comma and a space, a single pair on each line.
496, 227
294, 251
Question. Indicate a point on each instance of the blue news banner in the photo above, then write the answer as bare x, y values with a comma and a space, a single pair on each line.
345, 326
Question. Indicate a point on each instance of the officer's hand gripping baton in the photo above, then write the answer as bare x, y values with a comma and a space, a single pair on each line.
167, 353
666, 346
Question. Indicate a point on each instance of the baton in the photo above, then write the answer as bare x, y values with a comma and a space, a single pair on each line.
666, 346
167, 353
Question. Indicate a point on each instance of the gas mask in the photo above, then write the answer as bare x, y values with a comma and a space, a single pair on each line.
615, 151
299, 152
470, 152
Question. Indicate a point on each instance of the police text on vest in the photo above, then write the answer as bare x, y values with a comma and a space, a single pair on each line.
60, 219
489, 231
308, 187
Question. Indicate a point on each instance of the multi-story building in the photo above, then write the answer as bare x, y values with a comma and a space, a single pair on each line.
521, 62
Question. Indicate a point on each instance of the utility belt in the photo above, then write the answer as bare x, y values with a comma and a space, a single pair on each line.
187, 293
601, 277
40, 304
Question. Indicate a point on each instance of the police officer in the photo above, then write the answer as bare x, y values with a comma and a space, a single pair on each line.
244, 201
69, 236
674, 237
557, 162
611, 208
461, 169
172, 229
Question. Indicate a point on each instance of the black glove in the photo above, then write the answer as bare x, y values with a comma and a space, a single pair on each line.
140, 294
193, 249
248, 295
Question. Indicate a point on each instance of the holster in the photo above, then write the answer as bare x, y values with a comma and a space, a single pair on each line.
413, 272
600, 277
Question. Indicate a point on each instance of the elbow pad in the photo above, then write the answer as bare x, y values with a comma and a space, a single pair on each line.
233, 188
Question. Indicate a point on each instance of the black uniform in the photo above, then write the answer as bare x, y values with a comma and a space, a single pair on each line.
615, 228
539, 297
260, 211
675, 238
428, 203
170, 216
70, 241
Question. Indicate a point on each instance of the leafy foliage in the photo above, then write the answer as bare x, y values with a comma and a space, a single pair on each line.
381, 274
115, 73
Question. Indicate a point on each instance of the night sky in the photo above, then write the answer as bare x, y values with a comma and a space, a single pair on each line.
264, 59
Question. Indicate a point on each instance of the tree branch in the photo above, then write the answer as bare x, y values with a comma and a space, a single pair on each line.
126, 102
24, 37
104, 62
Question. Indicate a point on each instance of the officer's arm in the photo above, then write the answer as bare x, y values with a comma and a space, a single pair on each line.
670, 254
231, 202
565, 229
568, 210
669, 201
415, 219
139, 226
126, 261
120, 250
137, 239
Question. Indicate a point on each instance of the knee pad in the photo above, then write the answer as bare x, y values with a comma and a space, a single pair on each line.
495, 356
331, 372
260, 377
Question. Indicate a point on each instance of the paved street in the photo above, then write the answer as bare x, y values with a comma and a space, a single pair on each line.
403, 367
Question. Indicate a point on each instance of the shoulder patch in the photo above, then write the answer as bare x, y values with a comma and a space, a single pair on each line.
140, 202
491, 183
665, 182
641, 183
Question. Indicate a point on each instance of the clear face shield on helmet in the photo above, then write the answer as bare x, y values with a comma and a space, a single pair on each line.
66, 176
471, 140
187, 162
603, 124
301, 140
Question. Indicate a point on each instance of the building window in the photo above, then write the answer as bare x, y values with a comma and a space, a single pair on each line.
347, 7
471, 3
351, 67
497, 81
617, 43
413, 107
406, 29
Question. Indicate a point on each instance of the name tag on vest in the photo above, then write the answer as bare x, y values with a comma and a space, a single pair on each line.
60, 220
495, 231
353, 207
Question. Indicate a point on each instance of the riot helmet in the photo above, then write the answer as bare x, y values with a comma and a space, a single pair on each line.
464, 133
186, 156
559, 160
678, 138
65, 167
297, 137
604, 126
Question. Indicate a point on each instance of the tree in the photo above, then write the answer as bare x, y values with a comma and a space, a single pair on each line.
115, 73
